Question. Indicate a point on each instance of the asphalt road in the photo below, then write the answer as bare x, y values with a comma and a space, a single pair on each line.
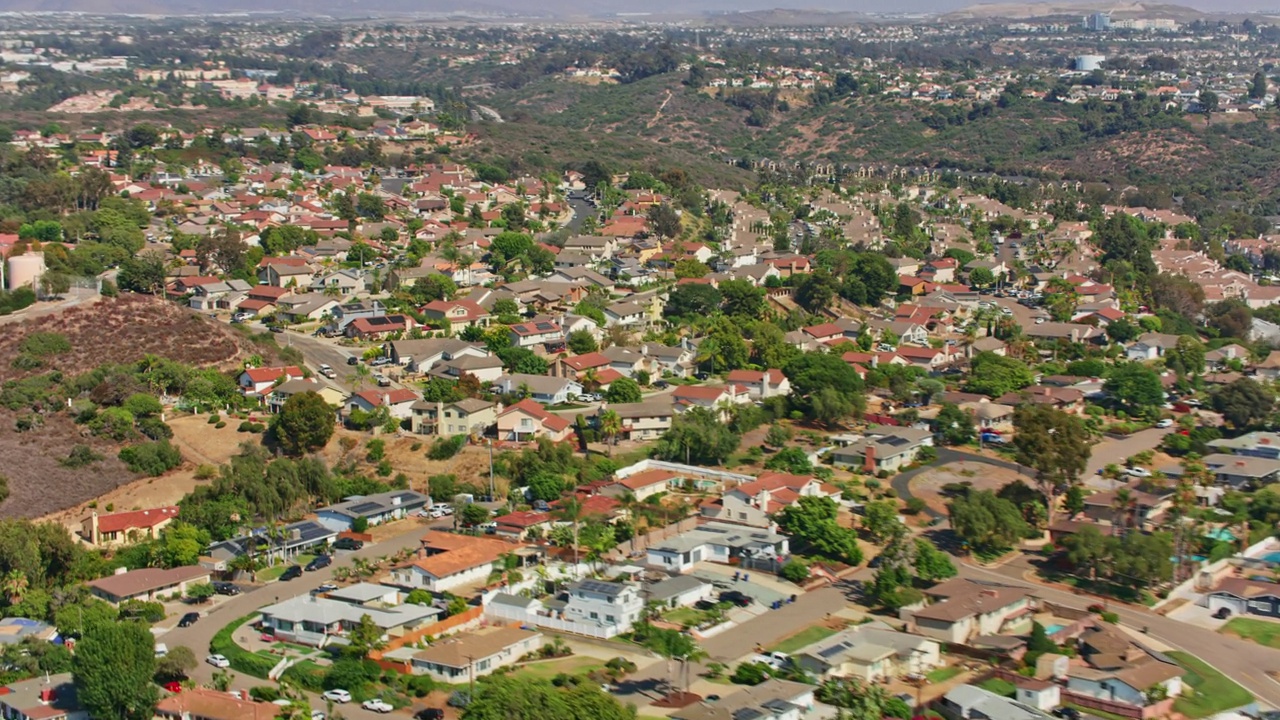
198, 636
1116, 452
1245, 662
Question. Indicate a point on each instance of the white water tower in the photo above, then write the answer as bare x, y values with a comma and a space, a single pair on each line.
25, 270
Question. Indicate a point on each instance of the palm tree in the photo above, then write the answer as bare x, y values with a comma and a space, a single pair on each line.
571, 511
15, 585
1125, 506
610, 428
361, 376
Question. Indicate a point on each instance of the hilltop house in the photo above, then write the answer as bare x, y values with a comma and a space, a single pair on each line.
960, 610
106, 531
527, 420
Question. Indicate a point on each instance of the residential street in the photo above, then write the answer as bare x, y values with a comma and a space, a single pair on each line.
1245, 662
1110, 451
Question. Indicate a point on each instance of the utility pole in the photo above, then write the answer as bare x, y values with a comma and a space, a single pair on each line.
491, 487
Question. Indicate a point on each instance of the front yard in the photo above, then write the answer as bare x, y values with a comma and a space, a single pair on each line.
1262, 632
804, 638
1214, 692
572, 665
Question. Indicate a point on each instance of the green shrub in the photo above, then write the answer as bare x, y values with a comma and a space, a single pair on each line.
152, 612
445, 448
153, 458
241, 660
915, 506
80, 456
214, 418
245, 426
221, 424
154, 428
45, 344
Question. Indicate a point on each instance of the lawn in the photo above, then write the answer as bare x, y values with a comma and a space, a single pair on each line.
274, 573
943, 674
547, 669
1214, 692
1259, 631
804, 638
999, 687
685, 616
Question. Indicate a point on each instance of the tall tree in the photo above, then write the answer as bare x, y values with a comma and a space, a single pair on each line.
305, 423
113, 669
1054, 444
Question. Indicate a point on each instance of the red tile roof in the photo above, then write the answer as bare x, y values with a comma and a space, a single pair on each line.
552, 422
393, 396
271, 374
119, 522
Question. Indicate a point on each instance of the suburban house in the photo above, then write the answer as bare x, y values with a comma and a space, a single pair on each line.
669, 361
445, 561
884, 449
376, 328
1150, 346
316, 620
680, 591
375, 509
646, 420
969, 702
289, 542
421, 355
527, 420
456, 314
518, 525
349, 281
761, 384
1243, 596
398, 401
960, 610
47, 697
257, 381
1150, 501
107, 531
466, 656
308, 306
281, 393
1240, 470
718, 399
147, 583
202, 703
347, 313
541, 388
716, 542
594, 602
532, 334
1119, 670
754, 503
871, 653
484, 369
772, 699
1255, 444
470, 416
642, 485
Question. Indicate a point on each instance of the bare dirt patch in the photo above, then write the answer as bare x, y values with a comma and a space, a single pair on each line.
200, 443
928, 485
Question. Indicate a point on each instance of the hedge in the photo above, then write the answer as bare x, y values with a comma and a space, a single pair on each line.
241, 660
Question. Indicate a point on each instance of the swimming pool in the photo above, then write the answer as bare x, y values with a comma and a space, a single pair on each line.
1051, 629
1272, 557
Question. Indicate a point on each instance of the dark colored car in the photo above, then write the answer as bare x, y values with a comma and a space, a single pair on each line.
429, 714
277, 329
735, 597
225, 588
348, 544
189, 619
294, 571
320, 561
1068, 713
353, 360
1222, 613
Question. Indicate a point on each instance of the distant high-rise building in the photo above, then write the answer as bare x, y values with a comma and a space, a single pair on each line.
1097, 21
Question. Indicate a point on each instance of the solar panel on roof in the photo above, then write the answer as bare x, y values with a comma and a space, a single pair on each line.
363, 508
895, 440
747, 714
833, 650
545, 326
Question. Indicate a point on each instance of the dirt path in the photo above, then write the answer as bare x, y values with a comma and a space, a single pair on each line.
658, 115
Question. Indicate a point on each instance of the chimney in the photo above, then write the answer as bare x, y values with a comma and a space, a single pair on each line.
869, 463
121, 571
93, 528
988, 593
48, 695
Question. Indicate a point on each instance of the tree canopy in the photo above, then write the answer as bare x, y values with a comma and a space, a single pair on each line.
305, 423
113, 669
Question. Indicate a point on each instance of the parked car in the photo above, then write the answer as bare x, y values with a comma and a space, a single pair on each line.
326, 587
377, 705
174, 687
338, 696
1137, 472
736, 597
189, 619
429, 714
1166, 422
277, 328
218, 661
383, 381
327, 371
353, 360
381, 360
662, 384
1067, 713
320, 561
1222, 613
348, 544
226, 588
584, 397
293, 571
317, 715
